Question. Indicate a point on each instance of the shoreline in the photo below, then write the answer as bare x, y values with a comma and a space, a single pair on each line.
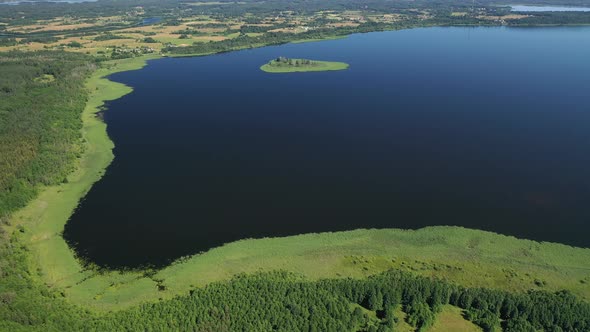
45, 217
427, 251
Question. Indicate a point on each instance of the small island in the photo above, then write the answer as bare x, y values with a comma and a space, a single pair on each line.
287, 65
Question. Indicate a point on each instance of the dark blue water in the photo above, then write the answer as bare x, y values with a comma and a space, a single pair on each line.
487, 128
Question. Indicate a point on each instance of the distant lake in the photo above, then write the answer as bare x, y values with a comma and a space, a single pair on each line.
518, 8
151, 20
486, 128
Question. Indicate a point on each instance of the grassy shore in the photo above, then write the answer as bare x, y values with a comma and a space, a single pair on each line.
301, 65
467, 257
44, 218
311, 40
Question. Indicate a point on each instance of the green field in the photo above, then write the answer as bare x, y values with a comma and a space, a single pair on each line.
301, 65
451, 319
467, 257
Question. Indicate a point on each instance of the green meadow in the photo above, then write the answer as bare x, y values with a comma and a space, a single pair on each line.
451, 319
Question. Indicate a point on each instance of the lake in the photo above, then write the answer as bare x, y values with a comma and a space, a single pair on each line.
519, 8
487, 128
150, 20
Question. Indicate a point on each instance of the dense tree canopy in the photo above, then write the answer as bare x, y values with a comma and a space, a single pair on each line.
42, 98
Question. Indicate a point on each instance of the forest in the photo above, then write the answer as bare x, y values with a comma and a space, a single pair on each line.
42, 98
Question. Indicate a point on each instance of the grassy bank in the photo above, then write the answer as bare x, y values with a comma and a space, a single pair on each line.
301, 65
44, 218
468, 257
312, 40
463, 256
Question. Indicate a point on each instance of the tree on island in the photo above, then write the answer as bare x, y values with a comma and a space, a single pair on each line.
298, 62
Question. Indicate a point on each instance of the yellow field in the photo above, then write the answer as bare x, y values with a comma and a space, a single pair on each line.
65, 24
163, 34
